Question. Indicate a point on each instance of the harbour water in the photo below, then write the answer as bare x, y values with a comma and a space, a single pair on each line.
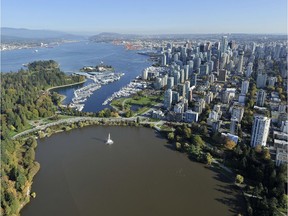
73, 56
138, 175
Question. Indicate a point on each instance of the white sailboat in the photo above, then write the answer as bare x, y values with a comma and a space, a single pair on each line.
109, 140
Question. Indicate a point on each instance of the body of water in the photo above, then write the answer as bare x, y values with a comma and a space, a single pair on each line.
73, 56
138, 175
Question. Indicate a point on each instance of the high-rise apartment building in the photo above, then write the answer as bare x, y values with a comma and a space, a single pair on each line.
260, 130
261, 96
168, 99
244, 87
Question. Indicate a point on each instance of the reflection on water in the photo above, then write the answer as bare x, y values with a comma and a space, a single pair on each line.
137, 175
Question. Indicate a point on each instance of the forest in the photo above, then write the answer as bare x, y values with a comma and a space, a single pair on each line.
24, 97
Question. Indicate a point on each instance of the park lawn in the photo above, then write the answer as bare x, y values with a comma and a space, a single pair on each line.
118, 102
144, 100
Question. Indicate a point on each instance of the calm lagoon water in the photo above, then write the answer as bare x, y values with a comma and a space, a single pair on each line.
138, 175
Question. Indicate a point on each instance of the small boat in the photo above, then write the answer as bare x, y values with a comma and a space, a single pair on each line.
109, 140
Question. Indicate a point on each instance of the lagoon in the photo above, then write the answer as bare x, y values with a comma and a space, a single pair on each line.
140, 174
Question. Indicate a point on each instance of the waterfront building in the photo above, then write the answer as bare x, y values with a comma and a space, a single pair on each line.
231, 137
157, 114
244, 87
168, 99
145, 74
260, 130
191, 116
261, 97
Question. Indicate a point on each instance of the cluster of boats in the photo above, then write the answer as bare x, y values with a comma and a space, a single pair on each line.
132, 88
81, 94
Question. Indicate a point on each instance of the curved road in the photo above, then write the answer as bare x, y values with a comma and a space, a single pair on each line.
72, 120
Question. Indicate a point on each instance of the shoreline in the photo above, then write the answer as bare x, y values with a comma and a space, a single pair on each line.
67, 85
94, 121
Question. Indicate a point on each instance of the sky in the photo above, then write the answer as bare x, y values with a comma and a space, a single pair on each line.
147, 16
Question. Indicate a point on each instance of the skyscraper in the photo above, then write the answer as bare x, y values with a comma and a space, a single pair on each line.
176, 77
187, 88
224, 44
168, 99
234, 125
170, 82
244, 87
249, 69
181, 89
260, 130
194, 79
145, 74
182, 76
163, 59
240, 63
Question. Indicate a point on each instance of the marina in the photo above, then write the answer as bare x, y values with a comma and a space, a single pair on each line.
132, 88
99, 79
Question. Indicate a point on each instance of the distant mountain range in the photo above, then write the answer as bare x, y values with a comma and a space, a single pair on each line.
21, 34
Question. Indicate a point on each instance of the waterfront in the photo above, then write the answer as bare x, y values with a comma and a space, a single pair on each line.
138, 175
74, 56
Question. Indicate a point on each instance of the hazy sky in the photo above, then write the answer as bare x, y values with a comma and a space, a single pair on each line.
147, 16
